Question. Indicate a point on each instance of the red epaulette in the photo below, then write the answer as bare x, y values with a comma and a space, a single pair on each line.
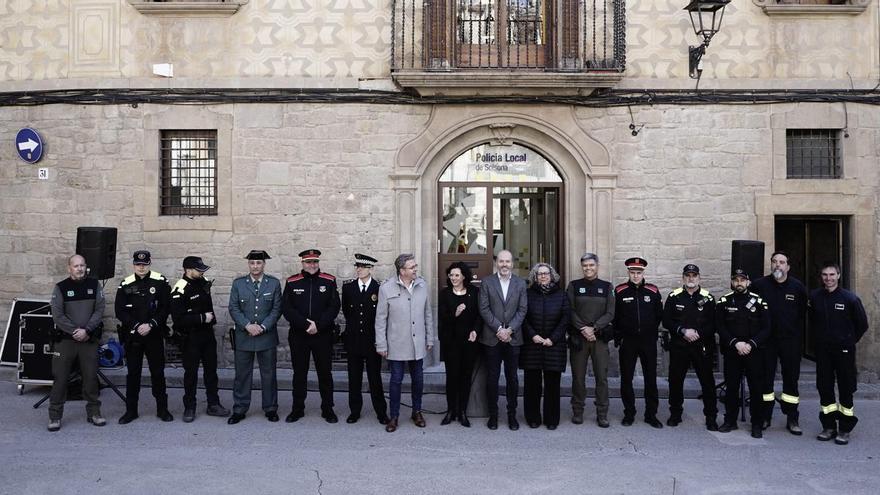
294, 278
653, 288
621, 287
327, 276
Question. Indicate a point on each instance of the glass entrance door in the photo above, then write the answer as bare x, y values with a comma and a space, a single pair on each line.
526, 224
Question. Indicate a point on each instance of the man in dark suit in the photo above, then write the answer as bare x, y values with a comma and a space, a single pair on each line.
359, 299
255, 306
503, 306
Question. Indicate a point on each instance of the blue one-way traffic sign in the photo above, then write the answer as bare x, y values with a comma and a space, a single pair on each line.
29, 145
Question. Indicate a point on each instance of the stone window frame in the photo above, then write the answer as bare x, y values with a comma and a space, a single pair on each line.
201, 162
185, 8
795, 8
157, 119
834, 162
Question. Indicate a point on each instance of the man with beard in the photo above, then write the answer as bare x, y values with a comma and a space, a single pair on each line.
786, 299
743, 326
689, 317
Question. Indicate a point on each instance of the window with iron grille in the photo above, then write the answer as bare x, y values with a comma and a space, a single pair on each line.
189, 173
813, 154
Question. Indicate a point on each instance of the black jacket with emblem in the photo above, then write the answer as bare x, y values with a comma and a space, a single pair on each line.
190, 300
787, 302
359, 309
837, 317
141, 300
310, 297
742, 318
592, 304
683, 310
638, 310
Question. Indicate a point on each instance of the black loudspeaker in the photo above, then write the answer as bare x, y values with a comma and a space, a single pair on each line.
98, 246
748, 255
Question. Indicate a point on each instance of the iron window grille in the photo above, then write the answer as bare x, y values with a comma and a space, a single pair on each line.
189, 172
813, 154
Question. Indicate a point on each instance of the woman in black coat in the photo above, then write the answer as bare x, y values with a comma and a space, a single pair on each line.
543, 354
459, 322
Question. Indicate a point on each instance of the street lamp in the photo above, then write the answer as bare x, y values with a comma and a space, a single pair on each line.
706, 18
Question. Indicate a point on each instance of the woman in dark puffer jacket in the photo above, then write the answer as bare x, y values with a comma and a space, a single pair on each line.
543, 354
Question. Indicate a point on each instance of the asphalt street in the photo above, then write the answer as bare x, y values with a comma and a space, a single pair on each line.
311, 456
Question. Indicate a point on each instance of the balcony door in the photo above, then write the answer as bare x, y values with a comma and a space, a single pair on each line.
499, 197
503, 33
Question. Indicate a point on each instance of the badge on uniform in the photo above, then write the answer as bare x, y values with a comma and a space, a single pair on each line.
839, 306
152, 290
374, 297
647, 298
753, 309
322, 288
599, 291
70, 293
582, 290
789, 297
680, 307
627, 299
90, 291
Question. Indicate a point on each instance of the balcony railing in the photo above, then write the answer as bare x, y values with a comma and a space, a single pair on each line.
513, 35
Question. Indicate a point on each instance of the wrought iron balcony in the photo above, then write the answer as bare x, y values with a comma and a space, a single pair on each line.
511, 45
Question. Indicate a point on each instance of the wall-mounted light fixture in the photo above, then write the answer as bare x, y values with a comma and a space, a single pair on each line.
706, 18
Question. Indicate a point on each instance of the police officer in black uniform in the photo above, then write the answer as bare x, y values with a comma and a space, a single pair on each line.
689, 318
142, 308
311, 303
192, 312
359, 298
786, 298
743, 327
839, 320
637, 316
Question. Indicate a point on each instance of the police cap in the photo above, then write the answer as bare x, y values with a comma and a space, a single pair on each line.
141, 257
690, 268
195, 263
739, 272
364, 260
635, 263
257, 254
310, 255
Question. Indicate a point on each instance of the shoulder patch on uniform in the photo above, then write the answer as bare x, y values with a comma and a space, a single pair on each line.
677, 291
156, 276
704, 292
129, 279
620, 287
327, 276
179, 286
653, 288
294, 278
349, 281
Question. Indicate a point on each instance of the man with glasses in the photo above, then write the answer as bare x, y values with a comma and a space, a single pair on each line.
310, 303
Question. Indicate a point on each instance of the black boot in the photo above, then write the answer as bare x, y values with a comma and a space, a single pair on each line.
128, 417
162, 410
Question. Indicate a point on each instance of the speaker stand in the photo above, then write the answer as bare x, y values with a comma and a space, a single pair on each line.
103, 382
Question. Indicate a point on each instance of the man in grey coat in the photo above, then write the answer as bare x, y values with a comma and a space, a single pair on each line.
255, 306
503, 306
404, 334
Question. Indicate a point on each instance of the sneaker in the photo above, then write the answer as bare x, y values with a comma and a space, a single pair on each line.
189, 414
842, 438
827, 434
97, 420
217, 410
54, 425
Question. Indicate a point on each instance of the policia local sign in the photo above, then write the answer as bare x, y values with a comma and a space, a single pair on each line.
513, 163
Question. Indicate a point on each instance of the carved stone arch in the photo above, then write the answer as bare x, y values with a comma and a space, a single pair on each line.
583, 162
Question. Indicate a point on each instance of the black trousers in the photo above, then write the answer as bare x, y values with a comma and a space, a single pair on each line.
502, 353
534, 379
735, 366
645, 350
200, 347
135, 350
356, 364
786, 352
320, 348
680, 360
460, 358
836, 364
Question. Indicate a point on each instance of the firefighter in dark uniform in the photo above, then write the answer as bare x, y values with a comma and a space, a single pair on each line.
838, 319
142, 306
192, 312
359, 299
311, 303
637, 316
689, 319
743, 326
786, 298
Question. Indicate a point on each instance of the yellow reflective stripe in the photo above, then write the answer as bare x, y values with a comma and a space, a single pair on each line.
791, 399
846, 411
829, 409
769, 397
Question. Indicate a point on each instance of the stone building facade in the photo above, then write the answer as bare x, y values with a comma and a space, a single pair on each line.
366, 173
